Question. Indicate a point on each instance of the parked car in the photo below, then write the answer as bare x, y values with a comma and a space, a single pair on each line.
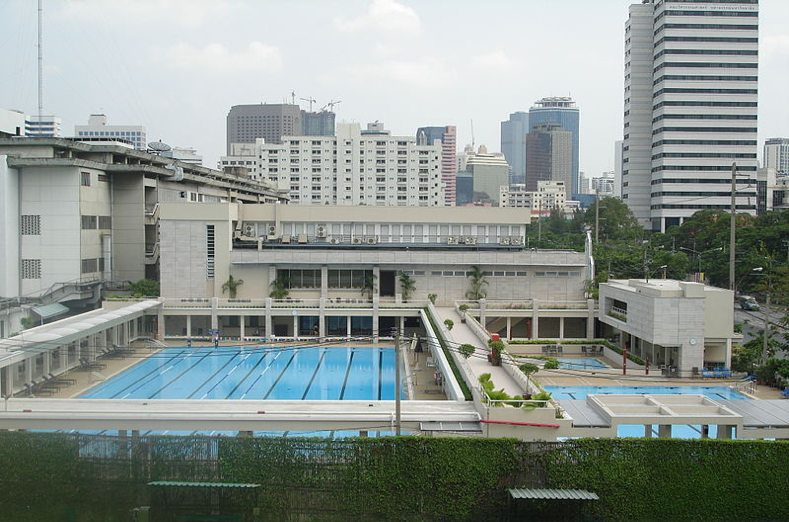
748, 303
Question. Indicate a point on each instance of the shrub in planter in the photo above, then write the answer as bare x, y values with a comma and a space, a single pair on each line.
466, 350
449, 323
551, 364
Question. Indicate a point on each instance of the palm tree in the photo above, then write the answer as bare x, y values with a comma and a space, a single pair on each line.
368, 286
279, 288
231, 286
407, 285
478, 284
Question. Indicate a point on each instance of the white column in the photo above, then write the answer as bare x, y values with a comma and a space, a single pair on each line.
322, 318
324, 281
561, 328
160, 322
241, 320
535, 320
348, 326
214, 314
509, 327
376, 303
269, 332
590, 317
295, 324
189, 326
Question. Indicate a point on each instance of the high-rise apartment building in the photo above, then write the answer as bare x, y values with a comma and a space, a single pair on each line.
691, 71
247, 123
776, 155
449, 167
513, 144
563, 112
549, 156
97, 128
354, 167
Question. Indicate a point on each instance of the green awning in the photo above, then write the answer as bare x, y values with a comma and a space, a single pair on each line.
51, 310
551, 494
176, 484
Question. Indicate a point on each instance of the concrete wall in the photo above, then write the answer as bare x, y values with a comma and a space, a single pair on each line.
9, 229
128, 227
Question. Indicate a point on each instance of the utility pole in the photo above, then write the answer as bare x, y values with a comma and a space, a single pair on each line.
397, 382
646, 266
596, 215
733, 224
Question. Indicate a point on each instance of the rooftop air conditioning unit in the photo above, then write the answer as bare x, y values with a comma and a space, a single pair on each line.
504, 241
471, 240
250, 230
356, 241
334, 241
372, 240
452, 240
321, 231
272, 230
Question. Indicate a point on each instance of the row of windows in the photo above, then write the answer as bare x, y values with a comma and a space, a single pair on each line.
700, 194
31, 269
702, 168
704, 129
745, 27
744, 14
703, 155
703, 142
729, 39
96, 222
668, 181
702, 104
704, 78
719, 52
704, 117
722, 65
704, 91
92, 265
702, 207
711, 2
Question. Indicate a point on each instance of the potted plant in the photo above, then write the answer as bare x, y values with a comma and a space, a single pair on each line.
462, 308
369, 287
432, 298
449, 323
478, 284
528, 369
496, 347
407, 285
231, 286
466, 350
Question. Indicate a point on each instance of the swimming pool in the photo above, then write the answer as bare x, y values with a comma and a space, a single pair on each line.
581, 363
258, 373
580, 392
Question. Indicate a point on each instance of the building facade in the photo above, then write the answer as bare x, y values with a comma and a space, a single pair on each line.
354, 167
776, 155
247, 123
513, 144
97, 128
43, 126
449, 168
561, 111
691, 71
548, 196
12, 123
549, 156
489, 171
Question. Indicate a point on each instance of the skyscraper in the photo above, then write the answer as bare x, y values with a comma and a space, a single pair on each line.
317, 123
776, 155
549, 155
513, 144
246, 123
690, 108
563, 112
449, 167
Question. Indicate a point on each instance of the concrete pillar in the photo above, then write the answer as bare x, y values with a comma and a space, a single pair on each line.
376, 279
648, 431
47, 362
29, 369
160, 321
189, 326
241, 320
590, 317
348, 326
725, 431
561, 328
295, 323
535, 319
269, 332
402, 325
482, 313
509, 327
324, 282
322, 318
376, 303
6, 381
664, 431
214, 313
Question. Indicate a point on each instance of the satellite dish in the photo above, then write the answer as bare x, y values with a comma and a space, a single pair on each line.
158, 146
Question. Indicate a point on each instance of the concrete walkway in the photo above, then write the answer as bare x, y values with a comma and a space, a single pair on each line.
478, 363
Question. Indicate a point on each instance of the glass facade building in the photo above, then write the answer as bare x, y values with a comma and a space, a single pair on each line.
561, 111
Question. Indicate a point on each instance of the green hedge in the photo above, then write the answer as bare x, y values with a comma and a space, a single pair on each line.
87, 478
452, 364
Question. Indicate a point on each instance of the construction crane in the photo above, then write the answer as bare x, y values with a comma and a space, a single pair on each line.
331, 105
293, 97
310, 101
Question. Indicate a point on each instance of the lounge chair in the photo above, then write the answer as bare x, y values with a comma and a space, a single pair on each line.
707, 373
68, 381
785, 393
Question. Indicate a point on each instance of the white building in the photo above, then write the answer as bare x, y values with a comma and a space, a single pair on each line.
604, 184
354, 167
776, 155
43, 127
97, 128
691, 72
680, 326
548, 196
12, 123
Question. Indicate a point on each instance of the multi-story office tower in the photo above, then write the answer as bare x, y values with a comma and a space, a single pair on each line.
317, 123
97, 128
690, 108
560, 111
354, 168
489, 171
549, 156
776, 155
449, 167
247, 123
43, 127
618, 169
513, 144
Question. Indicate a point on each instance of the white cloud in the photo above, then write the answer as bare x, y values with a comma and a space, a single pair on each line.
425, 73
219, 59
775, 45
383, 15
497, 61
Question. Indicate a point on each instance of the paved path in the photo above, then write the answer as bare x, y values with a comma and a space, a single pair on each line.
478, 363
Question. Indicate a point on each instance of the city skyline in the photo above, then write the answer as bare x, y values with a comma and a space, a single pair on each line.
381, 58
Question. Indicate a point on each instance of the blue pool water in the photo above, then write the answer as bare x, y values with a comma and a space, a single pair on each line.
583, 363
256, 373
580, 392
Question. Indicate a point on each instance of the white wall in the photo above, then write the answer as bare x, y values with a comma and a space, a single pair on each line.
9, 230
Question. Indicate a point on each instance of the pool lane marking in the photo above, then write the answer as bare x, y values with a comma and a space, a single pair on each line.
279, 377
314, 374
225, 376
265, 370
155, 370
241, 381
188, 369
381, 372
347, 373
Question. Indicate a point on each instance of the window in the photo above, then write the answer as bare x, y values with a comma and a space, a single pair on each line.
301, 278
89, 222
85, 179
31, 269
348, 278
89, 266
105, 222
31, 225
210, 251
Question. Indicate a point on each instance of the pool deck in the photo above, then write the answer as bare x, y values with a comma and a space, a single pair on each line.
422, 376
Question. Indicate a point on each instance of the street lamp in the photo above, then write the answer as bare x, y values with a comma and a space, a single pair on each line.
699, 254
765, 312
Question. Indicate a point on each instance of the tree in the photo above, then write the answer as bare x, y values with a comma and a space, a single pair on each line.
478, 284
407, 285
369, 288
279, 288
449, 323
231, 286
144, 288
616, 220
528, 369
466, 350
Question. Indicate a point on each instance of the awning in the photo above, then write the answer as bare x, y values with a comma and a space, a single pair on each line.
551, 494
50, 310
215, 485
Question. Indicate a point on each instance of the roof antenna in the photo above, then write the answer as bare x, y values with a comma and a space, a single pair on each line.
473, 143
40, 64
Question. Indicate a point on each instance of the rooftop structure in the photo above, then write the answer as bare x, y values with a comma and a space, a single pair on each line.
97, 128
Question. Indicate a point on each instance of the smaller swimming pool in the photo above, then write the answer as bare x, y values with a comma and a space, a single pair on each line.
580, 392
581, 363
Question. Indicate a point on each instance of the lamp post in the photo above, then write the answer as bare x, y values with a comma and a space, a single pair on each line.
765, 315
699, 254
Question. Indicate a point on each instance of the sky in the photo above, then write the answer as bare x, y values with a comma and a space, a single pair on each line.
177, 66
